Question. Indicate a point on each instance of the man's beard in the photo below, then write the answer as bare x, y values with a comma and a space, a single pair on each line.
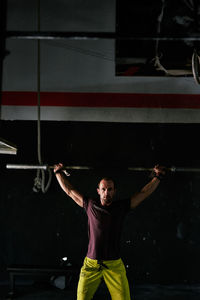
107, 200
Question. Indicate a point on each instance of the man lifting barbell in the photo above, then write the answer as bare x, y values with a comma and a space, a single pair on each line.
105, 218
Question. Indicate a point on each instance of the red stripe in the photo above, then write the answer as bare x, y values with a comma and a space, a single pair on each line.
102, 99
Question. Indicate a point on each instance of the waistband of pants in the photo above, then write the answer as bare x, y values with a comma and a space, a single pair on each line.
101, 261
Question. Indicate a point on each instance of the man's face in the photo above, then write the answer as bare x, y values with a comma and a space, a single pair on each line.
106, 191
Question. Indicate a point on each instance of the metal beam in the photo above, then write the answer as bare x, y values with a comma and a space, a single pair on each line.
57, 35
7, 147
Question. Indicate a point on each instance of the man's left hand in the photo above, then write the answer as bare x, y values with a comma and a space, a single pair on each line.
159, 172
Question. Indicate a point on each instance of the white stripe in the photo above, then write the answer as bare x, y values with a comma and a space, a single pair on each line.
93, 114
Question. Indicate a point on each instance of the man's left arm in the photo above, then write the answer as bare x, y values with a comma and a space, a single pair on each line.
149, 188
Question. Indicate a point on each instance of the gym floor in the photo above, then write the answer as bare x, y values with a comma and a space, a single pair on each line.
42, 290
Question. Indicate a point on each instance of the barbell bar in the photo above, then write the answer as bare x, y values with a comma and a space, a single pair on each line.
170, 169
136, 169
44, 167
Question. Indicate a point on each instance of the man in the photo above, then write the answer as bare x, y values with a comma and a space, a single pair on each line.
105, 218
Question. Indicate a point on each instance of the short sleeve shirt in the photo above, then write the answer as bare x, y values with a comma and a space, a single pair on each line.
105, 227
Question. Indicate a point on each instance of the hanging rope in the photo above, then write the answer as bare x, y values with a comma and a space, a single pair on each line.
39, 181
156, 59
196, 66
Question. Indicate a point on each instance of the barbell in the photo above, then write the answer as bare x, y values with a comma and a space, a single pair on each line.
135, 169
45, 167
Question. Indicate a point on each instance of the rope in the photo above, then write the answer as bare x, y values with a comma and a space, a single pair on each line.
156, 60
39, 181
196, 66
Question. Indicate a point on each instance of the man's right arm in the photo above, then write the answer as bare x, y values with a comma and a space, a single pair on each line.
67, 186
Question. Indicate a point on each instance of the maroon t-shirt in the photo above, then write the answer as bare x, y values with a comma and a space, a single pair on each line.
104, 227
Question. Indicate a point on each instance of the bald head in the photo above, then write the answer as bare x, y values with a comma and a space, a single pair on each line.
106, 191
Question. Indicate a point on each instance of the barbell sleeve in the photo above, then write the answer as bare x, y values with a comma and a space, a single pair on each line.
44, 167
26, 167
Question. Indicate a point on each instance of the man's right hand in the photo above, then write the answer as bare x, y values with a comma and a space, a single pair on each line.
66, 185
58, 168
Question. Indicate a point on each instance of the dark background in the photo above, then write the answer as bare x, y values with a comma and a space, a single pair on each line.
142, 19
160, 241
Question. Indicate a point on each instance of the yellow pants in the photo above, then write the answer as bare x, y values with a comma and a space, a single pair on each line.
112, 271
